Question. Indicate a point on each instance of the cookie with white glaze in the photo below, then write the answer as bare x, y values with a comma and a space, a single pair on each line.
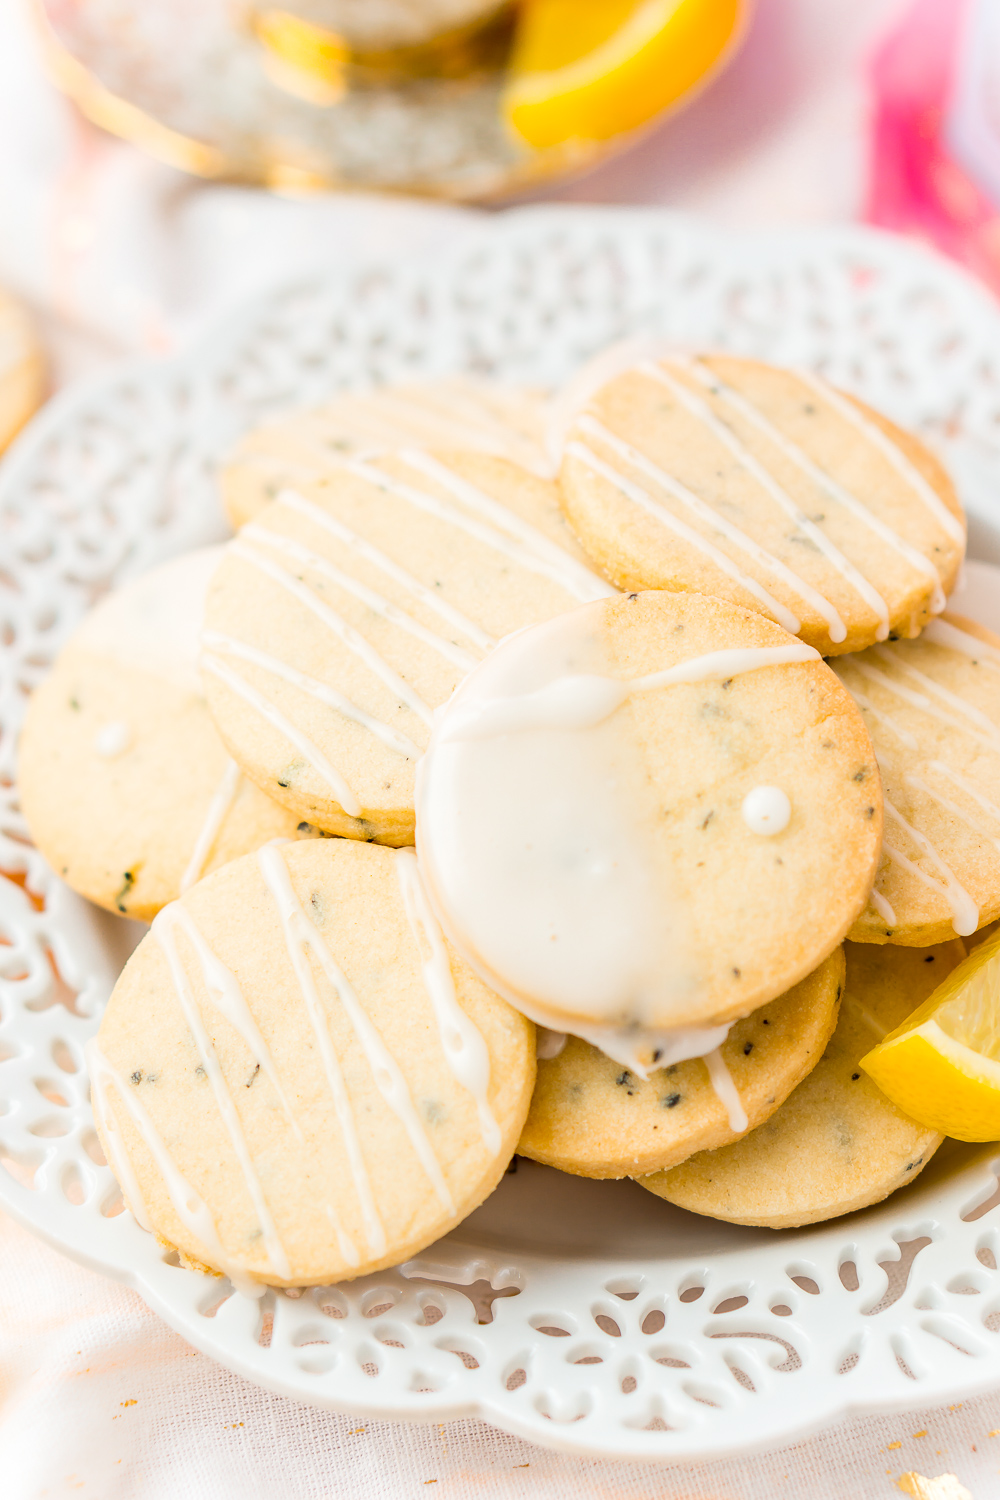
22, 369
767, 487
350, 609
592, 1117
126, 787
837, 1143
455, 413
932, 707
656, 812
295, 1081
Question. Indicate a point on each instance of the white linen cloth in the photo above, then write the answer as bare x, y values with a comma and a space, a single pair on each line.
119, 255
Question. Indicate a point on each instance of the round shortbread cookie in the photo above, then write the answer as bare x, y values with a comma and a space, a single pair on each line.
458, 413
655, 812
767, 487
932, 707
837, 1143
127, 789
22, 369
594, 1118
295, 1081
350, 609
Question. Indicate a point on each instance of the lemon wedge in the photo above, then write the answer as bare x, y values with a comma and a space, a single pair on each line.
303, 58
591, 69
942, 1065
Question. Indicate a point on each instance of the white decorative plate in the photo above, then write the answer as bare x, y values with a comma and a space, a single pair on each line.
587, 1316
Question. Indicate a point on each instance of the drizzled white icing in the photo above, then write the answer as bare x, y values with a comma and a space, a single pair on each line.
766, 810
703, 413
574, 576
302, 934
549, 1043
544, 875
254, 532
645, 501
890, 451
216, 813
824, 481
964, 911
189, 1206
714, 518
345, 633
933, 780
725, 1088
950, 805
223, 991
464, 1048
961, 706
390, 737
921, 701
381, 560
164, 930
305, 746
944, 633
463, 1045
883, 908
546, 559
113, 739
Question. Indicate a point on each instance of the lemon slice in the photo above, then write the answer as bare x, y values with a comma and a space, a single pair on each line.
590, 69
305, 59
942, 1065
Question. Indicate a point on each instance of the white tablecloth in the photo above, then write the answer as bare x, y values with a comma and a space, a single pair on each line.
119, 255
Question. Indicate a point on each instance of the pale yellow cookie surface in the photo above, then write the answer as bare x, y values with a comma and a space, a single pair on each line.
22, 369
592, 1117
459, 412
730, 477
126, 786
932, 707
295, 1080
837, 1143
348, 611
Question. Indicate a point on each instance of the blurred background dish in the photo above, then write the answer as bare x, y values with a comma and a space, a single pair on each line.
461, 99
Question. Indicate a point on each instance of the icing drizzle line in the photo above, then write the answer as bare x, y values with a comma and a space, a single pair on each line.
723, 562
345, 633
703, 413
301, 933
215, 815
726, 1090
557, 566
190, 1207
464, 1048
163, 929
379, 559
390, 737
965, 912
379, 605
582, 701
574, 576
826, 482
889, 450
267, 710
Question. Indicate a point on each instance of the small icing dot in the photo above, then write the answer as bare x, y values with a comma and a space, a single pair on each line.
766, 810
548, 1043
113, 738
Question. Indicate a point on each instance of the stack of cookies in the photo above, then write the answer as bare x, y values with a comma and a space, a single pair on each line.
480, 803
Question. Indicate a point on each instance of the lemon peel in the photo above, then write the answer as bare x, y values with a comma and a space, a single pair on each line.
942, 1065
